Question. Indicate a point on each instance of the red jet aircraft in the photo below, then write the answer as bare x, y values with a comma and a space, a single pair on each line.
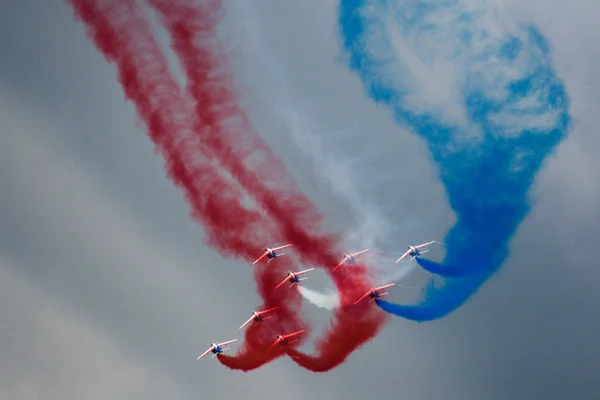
284, 339
415, 251
293, 277
271, 253
374, 293
350, 257
257, 316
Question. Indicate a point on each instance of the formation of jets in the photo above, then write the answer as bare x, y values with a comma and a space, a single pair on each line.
294, 278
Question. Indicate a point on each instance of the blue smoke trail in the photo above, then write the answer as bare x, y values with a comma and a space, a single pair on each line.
489, 134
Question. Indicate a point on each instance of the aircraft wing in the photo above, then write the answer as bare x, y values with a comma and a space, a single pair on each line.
266, 311
205, 353
424, 244
403, 256
289, 335
261, 257
362, 298
281, 247
360, 252
274, 344
340, 264
282, 282
228, 342
385, 286
247, 322
304, 272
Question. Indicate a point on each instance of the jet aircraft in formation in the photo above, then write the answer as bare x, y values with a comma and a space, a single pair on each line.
284, 340
216, 348
271, 253
258, 316
293, 278
415, 251
375, 293
350, 258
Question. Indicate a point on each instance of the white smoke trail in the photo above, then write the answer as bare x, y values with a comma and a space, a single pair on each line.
336, 168
370, 225
328, 301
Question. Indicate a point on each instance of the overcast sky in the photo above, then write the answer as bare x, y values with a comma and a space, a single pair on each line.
107, 290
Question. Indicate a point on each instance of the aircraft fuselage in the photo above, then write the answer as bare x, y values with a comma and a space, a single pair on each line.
414, 251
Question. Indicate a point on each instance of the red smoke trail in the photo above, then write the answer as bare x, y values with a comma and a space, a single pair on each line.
121, 33
238, 147
351, 327
227, 134
124, 37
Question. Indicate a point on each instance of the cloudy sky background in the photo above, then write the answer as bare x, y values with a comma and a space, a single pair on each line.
107, 288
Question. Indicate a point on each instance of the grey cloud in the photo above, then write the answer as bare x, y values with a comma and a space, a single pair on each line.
536, 316
70, 235
55, 352
89, 221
